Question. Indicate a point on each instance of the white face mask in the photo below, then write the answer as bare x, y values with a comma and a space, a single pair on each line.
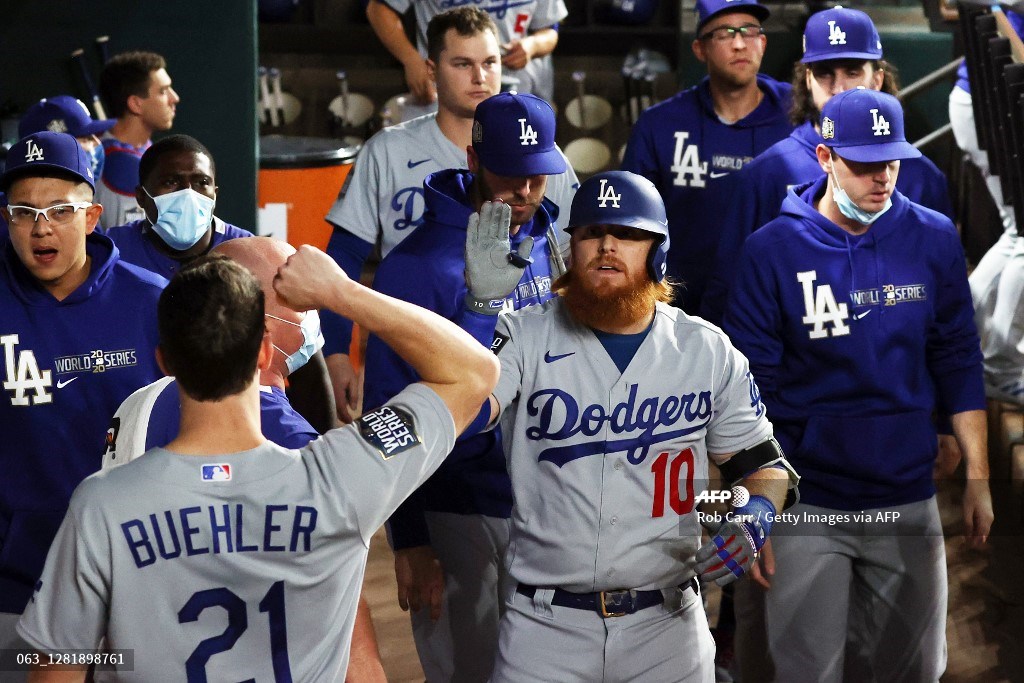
312, 340
851, 210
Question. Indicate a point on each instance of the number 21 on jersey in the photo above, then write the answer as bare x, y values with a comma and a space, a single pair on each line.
671, 484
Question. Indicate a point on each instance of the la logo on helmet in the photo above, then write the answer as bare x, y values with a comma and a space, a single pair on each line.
607, 194
527, 135
33, 152
836, 35
881, 126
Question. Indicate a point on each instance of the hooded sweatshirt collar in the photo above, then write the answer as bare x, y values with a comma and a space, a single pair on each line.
766, 111
103, 254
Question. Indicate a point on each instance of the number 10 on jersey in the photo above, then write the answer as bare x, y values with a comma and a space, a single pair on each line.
677, 489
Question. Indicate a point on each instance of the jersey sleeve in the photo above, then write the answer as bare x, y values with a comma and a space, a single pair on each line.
357, 208
69, 607
561, 189
739, 416
547, 14
510, 354
372, 465
640, 157
350, 252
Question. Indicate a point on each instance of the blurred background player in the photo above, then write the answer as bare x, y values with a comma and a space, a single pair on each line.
151, 416
78, 330
603, 556
842, 51
450, 537
527, 30
280, 533
383, 198
692, 143
137, 91
854, 310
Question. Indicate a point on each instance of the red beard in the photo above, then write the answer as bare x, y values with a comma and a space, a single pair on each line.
606, 306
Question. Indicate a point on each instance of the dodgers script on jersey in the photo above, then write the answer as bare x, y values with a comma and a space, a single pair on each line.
607, 462
234, 567
515, 19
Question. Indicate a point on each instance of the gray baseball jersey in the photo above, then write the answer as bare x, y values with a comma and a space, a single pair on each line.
382, 199
605, 465
515, 19
234, 567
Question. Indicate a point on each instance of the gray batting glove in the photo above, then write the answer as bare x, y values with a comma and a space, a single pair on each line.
492, 269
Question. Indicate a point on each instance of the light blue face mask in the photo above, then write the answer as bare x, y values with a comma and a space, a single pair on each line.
182, 217
312, 340
851, 210
97, 157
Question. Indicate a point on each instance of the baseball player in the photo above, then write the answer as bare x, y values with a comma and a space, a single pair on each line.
691, 144
383, 198
177, 189
77, 331
854, 310
138, 93
457, 523
997, 282
263, 544
842, 51
150, 417
62, 114
527, 30
612, 404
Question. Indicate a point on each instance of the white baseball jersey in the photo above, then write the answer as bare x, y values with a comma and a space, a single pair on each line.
382, 199
516, 19
234, 567
605, 465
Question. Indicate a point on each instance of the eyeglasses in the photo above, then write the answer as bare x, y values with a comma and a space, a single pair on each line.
726, 34
58, 214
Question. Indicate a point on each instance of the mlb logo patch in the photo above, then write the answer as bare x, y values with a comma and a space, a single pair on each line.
217, 472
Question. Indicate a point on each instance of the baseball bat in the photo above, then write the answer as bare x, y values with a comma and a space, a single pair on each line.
342, 77
268, 110
581, 96
78, 57
103, 48
275, 83
1006, 31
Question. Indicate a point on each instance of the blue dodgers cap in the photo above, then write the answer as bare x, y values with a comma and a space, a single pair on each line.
709, 9
866, 125
514, 136
62, 114
840, 33
47, 151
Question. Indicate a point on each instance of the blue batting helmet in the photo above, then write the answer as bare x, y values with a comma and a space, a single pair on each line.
624, 198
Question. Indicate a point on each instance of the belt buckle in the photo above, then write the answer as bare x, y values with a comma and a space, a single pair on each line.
624, 600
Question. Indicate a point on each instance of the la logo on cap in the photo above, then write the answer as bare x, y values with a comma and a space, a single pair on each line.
881, 126
607, 194
836, 35
527, 135
33, 152
828, 128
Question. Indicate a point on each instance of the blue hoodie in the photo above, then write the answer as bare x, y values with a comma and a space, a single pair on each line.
854, 340
761, 187
689, 154
427, 269
75, 361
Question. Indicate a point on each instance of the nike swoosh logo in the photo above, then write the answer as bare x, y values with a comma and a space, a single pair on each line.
719, 175
858, 316
414, 164
548, 358
63, 383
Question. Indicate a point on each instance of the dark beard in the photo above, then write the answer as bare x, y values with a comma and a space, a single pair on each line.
608, 308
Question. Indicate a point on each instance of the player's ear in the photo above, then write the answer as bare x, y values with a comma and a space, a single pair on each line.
432, 69
824, 155
266, 356
161, 363
472, 161
698, 50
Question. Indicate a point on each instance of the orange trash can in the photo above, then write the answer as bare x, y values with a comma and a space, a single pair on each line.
299, 180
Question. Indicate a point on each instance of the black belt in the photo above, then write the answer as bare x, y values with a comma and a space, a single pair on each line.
616, 603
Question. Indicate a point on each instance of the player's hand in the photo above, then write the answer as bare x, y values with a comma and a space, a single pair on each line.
517, 54
307, 279
492, 269
978, 513
731, 551
420, 580
347, 386
764, 567
421, 85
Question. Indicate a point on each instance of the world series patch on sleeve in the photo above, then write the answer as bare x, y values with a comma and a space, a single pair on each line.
390, 430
